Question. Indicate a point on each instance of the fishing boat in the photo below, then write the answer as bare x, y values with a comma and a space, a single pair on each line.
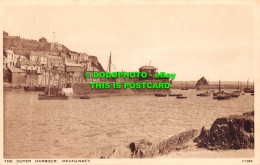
175, 95
181, 97
40, 88
221, 95
186, 88
48, 96
247, 89
237, 92
219, 90
52, 97
204, 94
160, 95
84, 97
30, 87
16, 86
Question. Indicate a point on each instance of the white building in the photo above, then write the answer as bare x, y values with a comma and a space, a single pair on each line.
9, 58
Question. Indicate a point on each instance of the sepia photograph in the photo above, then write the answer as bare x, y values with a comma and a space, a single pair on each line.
121, 82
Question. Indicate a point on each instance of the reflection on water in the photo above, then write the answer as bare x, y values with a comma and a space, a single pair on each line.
81, 128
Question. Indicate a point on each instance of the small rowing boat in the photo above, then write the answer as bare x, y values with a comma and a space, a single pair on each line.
160, 95
181, 97
175, 94
52, 97
84, 97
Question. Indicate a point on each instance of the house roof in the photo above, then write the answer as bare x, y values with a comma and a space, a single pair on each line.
55, 57
148, 67
15, 70
28, 62
8, 51
73, 54
22, 52
72, 64
34, 53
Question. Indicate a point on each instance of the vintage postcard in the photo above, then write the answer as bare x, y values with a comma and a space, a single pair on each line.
129, 82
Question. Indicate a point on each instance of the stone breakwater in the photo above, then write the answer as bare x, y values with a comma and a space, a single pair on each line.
233, 132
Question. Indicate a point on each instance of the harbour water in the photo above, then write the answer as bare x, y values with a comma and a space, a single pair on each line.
78, 128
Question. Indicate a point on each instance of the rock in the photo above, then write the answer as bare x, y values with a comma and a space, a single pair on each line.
141, 149
176, 142
202, 81
233, 132
121, 152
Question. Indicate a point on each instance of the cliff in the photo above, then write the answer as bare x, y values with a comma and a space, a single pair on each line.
23, 46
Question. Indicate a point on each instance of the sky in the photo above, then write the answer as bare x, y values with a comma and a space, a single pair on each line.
215, 41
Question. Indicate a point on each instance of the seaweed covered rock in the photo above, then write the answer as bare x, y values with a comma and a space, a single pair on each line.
202, 81
233, 132
176, 142
141, 149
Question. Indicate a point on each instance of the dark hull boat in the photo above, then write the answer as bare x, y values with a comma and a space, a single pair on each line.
84, 97
235, 94
181, 97
16, 86
175, 94
40, 88
184, 89
248, 90
223, 96
204, 94
160, 95
52, 97
29, 88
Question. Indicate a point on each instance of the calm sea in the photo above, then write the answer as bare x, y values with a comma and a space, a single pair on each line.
78, 128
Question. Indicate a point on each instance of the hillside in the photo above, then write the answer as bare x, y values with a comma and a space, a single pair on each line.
23, 46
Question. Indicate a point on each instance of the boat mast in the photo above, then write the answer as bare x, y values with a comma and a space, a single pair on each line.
32, 77
49, 90
247, 83
219, 86
109, 64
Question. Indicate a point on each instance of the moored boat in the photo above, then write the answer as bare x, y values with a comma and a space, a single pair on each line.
52, 97
84, 97
29, 88
235, 94
52, 94
204, 94
223, 96
181, 97
40, 88
247, 89
186, 88
160, 95
175, 94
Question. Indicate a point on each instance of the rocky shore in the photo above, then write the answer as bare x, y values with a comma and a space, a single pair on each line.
227, 133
